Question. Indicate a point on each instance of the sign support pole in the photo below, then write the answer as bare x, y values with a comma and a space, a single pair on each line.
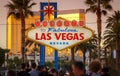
42, 55
56, 59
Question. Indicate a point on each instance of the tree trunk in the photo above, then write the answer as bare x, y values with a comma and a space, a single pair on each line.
72, 55
111, 56
98, 13
105, 51
84, 58
117, 54
72, 59
26, 57
34, 55
90, 55
22, 35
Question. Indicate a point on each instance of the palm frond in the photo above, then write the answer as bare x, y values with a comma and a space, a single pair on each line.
88, 46
104, 12
32, 4
112, 32
93, 6
92, 9
17, 5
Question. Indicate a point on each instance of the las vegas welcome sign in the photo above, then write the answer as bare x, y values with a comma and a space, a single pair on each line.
60, 33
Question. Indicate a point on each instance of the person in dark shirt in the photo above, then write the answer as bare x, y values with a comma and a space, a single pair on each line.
43, 71
105, 71
95, 67
78, 68
0, 74
54, 72
11, 73
28, 69
23, 70
34, 72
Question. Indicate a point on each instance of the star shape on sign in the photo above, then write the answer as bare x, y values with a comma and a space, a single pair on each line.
48, 10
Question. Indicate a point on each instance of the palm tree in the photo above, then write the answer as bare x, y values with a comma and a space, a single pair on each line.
28, 42
112, 33
20, 9
2, 55
108, 46
93, 50
35, 50
72, 54
87, 46
99, 7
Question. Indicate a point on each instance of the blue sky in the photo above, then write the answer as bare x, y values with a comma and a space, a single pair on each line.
62, 5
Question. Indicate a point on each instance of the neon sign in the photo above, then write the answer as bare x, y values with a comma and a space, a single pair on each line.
60, 34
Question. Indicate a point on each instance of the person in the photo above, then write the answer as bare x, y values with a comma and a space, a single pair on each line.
95, 67
28, 67
78, 68
23, 71
0, 74
54, 72
44, 71
11, 73
105, 71
34, 72
39, 69
61, 73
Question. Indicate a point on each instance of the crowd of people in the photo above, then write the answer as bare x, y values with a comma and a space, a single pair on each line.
77, 69
34, 70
